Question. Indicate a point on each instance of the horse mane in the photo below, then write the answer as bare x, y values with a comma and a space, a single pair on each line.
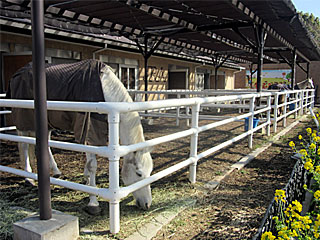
113, 90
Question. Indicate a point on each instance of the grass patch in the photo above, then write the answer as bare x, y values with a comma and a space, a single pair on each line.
8, 216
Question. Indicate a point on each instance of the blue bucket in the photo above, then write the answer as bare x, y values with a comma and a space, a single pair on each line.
246, 123
291, 106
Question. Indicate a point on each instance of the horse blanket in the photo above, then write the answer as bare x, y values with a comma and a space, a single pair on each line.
65, 82
279, 86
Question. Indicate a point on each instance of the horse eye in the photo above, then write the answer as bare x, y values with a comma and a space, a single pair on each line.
139, 174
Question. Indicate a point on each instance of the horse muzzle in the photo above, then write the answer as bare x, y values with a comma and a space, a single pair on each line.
143, 203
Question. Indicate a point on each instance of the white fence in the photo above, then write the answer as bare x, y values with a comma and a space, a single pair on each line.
301, 100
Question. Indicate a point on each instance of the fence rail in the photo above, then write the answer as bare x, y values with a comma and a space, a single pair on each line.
114, 150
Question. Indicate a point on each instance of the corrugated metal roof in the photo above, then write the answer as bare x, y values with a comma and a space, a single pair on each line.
222, 27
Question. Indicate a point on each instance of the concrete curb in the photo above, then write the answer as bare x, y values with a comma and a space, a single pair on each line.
148, 231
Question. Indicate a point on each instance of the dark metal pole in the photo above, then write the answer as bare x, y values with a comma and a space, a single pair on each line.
260, 57
216, 77
293, 68
40, 98
146, 56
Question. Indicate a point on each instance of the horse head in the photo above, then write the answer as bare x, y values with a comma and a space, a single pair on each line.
310, 83
137, 166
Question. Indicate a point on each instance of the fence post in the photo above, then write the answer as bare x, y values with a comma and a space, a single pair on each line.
307, 98
250, 123
275, 112
178, 112
296, 106
301, 102
194, 142
313, 97
284, 123
188, 111
269, 115
114, 204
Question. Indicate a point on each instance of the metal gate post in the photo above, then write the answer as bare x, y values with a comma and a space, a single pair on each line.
269, 115
194, 142
114, 204
275, 112
284, 123
250, 125
40, 107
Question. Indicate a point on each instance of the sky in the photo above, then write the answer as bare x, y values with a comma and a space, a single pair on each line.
310, 6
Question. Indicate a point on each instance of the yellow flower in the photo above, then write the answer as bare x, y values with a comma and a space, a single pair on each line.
313, 135
318, 169
304, 152
280, 195
309, 130
267, 236
312, 146
317, 195
291, 144
297, 206
318, 152
308, 165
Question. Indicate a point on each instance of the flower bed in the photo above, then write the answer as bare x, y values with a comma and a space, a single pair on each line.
294, 213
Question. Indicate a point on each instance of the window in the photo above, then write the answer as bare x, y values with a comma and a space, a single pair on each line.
199, 83
128, 76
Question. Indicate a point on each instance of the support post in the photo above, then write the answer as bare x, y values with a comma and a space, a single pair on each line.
308, 70
216, 77
293, 68
296, 97
194, 143
146, 57
261, 34
40, 104
114, 186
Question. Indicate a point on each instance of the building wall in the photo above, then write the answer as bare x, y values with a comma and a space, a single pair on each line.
158, 67
240, 77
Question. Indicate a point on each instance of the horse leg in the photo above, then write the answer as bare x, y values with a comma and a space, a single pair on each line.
25, 158
53, 165
90, 170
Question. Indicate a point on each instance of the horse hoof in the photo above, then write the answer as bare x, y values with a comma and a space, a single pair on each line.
30, 183
93, 210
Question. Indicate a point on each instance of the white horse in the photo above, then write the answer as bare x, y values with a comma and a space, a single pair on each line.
102, 85
305, 84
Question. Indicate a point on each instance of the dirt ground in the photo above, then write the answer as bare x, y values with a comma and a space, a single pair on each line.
233, 211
